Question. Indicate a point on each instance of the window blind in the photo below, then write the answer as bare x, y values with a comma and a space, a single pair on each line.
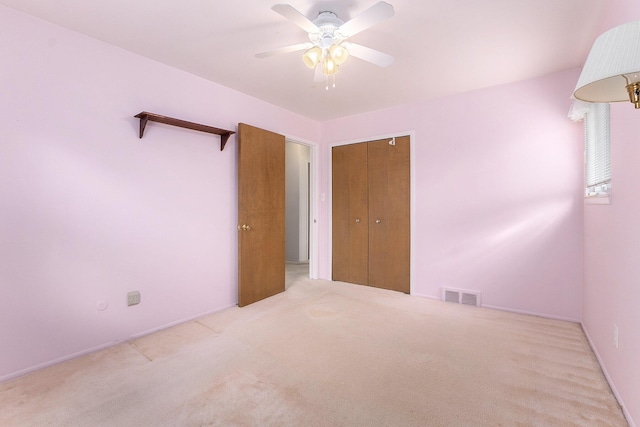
597, 150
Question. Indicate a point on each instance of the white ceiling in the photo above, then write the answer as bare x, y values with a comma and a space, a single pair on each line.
441, 47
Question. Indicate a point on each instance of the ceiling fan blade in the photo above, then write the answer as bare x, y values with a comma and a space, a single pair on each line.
371, 55
286, 49
296, 17
370, 17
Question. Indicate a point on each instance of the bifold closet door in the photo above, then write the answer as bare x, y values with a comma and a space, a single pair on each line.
350, 215
389, 214
371, 213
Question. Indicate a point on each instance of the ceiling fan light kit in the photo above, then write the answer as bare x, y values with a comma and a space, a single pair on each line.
331, 58
329, 67
312, 57
339, 54
327, 48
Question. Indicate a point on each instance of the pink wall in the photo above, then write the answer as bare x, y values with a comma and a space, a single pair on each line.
618, 12
90, 212
497, 190
611, 248
612, 270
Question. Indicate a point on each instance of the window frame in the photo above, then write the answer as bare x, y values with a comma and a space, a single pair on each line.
597, 153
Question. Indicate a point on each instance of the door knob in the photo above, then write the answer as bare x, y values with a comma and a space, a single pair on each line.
244, 227
357, 219
378, 221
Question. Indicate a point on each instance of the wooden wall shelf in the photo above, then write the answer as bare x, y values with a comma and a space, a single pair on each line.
145, 117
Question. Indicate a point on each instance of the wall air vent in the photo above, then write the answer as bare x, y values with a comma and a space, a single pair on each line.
461, 296
451, 296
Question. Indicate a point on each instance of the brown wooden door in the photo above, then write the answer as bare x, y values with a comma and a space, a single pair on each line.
371, 213
350, 214
261, 214
389, 214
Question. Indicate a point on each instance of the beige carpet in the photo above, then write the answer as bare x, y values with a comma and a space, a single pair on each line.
329, 354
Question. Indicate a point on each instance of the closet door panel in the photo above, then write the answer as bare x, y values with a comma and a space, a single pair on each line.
389, 212
350, 213
378, 187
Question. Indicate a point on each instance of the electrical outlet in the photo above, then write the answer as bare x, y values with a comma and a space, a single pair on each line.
133, 298
615, 335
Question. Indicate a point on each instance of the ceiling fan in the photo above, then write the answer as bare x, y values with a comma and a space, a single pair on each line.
328, 47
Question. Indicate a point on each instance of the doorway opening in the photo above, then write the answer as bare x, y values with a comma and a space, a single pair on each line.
300, 211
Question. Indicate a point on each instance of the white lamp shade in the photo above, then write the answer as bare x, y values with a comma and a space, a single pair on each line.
614, 54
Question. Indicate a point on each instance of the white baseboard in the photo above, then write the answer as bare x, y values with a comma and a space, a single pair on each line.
511, 310
593, 347
34, 368
532, 313
178, 322
626, 413
37, 367
431, 297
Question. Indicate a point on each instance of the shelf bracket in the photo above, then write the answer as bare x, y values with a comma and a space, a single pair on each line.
146, 117
143, 124
223, 140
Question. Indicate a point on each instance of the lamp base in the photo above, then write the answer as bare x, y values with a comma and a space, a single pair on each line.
634, 93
